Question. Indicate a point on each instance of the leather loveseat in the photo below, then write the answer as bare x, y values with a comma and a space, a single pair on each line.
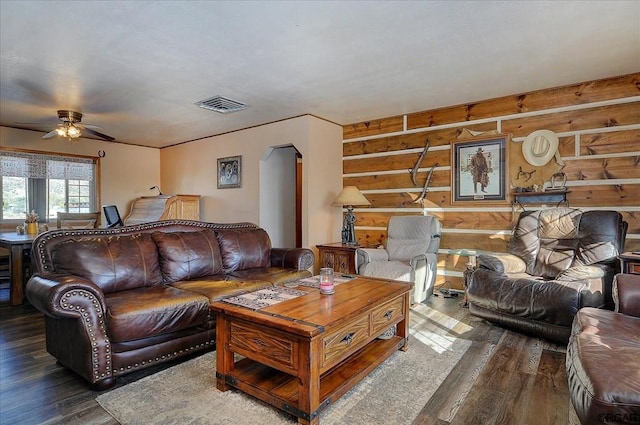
559, 260
119, 300
602, 359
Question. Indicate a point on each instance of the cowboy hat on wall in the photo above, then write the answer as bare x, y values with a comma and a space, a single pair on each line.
539, 147
530, 161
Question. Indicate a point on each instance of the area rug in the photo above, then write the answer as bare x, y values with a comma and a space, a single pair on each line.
392, 394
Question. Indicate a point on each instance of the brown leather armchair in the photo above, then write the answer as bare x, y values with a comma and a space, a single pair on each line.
602, 359
560, 260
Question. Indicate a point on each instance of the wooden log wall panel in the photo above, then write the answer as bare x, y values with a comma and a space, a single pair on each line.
585, 168
633, 218
376, 218
598, 124
609, 143
478, 241
371, 237
392, 200
373, 127
583, 119
498, 242
455, 262
396, 162
605, 195
566, 146
601, 143
410, 141
400, 180
607, 89
483, 220
632, 245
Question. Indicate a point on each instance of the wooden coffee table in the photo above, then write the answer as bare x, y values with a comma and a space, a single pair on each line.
303, 354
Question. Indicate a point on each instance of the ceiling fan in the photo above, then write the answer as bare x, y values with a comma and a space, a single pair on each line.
70, 128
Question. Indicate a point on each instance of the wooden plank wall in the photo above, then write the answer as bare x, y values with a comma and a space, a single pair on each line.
598, 125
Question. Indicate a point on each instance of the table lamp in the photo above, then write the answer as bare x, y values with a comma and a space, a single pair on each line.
350, 197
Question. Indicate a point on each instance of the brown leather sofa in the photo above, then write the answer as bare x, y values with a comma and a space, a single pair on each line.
602, 363
560, 260
119, 300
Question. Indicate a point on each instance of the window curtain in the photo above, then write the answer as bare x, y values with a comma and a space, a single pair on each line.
43, 166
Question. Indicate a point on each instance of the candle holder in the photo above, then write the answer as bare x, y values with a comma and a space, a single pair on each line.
326, 281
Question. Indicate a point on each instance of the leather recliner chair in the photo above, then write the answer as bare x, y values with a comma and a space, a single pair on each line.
559, 260
409, 254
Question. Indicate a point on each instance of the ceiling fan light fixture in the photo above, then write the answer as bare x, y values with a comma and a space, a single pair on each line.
68, 131
71, 129
73, 132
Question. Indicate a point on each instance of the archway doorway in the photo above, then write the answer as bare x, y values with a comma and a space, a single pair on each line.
281, 195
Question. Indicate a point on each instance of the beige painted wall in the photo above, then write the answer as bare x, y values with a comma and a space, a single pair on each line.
190, 168
126, 172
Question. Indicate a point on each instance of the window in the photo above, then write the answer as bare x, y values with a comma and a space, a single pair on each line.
47, 183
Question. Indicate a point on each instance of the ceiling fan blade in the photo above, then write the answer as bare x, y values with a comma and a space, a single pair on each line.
100, 135
50, 122
95, 127
50, 134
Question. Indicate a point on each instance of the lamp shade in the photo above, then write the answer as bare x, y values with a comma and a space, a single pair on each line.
350, 195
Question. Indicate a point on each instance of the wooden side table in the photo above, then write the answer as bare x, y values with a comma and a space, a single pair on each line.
338, 256
629, 263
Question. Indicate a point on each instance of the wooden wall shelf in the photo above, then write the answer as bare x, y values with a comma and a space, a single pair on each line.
555, 198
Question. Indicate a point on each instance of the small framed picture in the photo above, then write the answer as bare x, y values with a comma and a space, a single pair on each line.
479, 169
229, 172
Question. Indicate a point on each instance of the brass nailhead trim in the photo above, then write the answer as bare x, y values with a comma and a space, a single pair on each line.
66, 304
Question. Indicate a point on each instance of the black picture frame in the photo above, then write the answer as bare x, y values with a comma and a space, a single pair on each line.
230, 172
474, 179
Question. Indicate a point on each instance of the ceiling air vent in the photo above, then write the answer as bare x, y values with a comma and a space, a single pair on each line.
221, 104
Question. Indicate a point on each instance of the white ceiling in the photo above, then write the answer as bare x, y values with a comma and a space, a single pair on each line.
136, 68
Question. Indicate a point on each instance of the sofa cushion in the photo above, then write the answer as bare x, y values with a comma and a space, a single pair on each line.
397, 270
275, 275
216, 288
146, 312
114, 263
188, 255
244, 248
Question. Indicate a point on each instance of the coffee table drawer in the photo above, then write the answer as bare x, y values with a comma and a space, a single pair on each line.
344, 341
387, 314
260, 344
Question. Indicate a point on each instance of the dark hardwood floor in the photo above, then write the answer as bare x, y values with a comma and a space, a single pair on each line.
520, 381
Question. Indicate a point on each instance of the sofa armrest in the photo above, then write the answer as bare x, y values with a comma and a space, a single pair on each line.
502, 263
626, 294
366, 255
418, 261
77, 307
53, 293
292, 258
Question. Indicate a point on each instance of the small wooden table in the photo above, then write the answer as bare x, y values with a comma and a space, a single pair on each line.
302, 354
629, 263
16, 244
338, 256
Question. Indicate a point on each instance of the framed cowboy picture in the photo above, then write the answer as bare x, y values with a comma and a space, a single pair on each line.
479, 169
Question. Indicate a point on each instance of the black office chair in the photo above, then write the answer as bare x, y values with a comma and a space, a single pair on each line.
112, 215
